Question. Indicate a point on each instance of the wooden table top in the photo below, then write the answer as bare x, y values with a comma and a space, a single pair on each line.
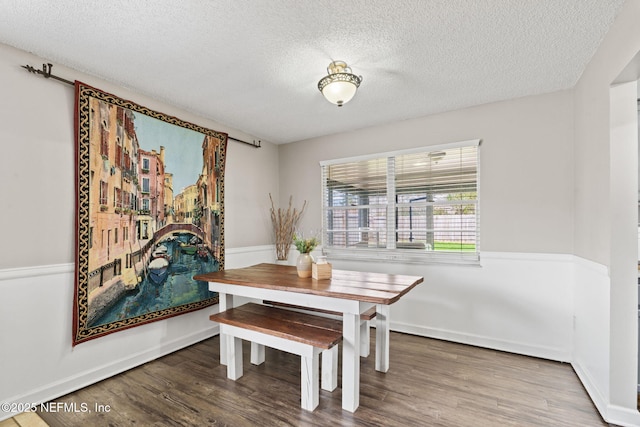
378, 288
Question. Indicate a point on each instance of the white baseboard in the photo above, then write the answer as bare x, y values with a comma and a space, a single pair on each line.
484, 342
590, 386
624, 417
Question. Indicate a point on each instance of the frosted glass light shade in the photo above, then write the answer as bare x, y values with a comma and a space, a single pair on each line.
339, 92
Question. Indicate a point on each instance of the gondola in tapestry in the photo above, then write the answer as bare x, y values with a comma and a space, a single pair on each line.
149, 216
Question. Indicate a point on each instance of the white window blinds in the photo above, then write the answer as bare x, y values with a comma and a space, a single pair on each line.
412, 205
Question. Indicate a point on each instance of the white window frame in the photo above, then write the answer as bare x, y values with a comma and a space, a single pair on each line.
390, 252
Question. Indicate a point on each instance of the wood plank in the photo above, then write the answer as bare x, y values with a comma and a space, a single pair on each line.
296, 317
376, 288
319, 332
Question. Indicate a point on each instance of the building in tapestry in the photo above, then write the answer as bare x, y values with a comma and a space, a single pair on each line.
185, 205
209, 193
168, 198
114, 188
151, 212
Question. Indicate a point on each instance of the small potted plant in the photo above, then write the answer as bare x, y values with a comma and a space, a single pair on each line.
304, 246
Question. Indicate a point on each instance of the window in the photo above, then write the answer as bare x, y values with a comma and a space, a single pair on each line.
104, 193
117, 197
145, 185
413, 206
119, 157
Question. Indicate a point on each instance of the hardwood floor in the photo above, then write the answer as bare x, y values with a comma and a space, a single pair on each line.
430, 383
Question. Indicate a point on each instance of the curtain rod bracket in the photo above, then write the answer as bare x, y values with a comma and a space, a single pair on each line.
46, 73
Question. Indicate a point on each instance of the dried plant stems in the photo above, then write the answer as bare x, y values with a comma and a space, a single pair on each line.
284, 226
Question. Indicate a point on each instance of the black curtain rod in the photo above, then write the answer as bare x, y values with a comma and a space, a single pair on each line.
46, 73
253, 144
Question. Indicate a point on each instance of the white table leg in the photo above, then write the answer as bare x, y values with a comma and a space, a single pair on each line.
364, 338
225, 301
350, 362
382, 337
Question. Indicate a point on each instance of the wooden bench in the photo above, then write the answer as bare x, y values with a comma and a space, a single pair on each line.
365, 321
298, 333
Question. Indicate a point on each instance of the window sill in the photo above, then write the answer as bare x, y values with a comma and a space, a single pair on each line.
405, 256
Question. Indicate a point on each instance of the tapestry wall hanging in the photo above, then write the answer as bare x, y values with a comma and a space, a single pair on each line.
149, 214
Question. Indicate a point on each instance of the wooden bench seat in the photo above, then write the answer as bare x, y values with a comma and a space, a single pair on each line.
298, 333
365, 319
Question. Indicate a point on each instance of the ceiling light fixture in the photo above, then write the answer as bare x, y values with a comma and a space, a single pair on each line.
340, 85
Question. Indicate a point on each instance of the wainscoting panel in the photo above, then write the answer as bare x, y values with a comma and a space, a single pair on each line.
521, 303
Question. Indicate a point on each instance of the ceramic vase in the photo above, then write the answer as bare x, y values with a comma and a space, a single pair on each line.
303, 264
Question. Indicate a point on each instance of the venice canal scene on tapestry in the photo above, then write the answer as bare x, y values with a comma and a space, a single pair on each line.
154, 217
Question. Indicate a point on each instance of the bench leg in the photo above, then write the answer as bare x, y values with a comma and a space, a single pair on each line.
364, 338
257, 353
309, 373
330, 369
234, 357
225, 302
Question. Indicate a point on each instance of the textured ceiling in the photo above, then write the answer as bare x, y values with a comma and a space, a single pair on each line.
254, 65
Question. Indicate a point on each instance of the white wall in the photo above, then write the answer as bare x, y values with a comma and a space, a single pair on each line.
526, 158
36, 263
605, 222
591, 356
623, 268
521, 297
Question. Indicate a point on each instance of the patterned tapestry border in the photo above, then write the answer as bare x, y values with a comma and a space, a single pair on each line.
149, 214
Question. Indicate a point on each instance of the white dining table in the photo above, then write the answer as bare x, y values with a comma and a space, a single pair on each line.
350, 293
